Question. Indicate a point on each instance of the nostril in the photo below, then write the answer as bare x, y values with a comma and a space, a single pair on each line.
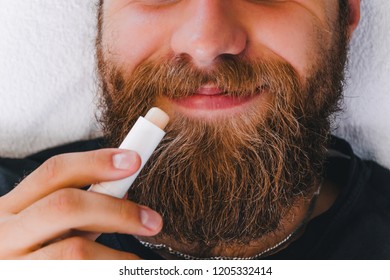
205, 41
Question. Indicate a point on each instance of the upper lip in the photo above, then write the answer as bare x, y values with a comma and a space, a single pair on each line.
212, 89
209, 89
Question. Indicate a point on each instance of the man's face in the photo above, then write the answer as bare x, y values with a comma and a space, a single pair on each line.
249, 86
135, 31
291, 31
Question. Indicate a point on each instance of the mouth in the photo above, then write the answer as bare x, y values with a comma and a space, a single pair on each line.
211, 100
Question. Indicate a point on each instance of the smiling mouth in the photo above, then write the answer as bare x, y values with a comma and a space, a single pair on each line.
211, 98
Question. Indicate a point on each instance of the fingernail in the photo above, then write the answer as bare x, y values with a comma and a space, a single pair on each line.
124, 161
150, 219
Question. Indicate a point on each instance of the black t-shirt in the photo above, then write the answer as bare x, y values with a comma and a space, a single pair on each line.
357, 226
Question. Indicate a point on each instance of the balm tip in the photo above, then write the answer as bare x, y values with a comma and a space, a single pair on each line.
158, 117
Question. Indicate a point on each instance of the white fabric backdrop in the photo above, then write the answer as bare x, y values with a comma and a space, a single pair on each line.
47, 82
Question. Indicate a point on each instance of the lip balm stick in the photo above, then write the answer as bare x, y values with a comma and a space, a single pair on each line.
143, 138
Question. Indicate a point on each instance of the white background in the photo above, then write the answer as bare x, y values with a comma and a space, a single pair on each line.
47, 81
281, 270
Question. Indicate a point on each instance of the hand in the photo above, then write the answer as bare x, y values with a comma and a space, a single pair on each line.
48, 205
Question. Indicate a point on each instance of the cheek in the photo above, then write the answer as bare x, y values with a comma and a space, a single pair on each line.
130, 37
289, 33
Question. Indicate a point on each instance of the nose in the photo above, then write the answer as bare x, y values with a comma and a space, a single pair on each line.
208, 31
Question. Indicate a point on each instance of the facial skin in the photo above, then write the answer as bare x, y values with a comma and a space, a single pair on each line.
249, 86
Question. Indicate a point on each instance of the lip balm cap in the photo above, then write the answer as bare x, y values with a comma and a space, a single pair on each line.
158, 117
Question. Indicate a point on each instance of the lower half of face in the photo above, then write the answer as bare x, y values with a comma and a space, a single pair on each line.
247, 139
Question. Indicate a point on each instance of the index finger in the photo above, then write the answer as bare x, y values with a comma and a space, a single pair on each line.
73, 170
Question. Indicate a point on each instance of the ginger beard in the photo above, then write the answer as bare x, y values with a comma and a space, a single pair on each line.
228, 181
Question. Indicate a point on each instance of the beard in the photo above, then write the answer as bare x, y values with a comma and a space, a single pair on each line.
228, 181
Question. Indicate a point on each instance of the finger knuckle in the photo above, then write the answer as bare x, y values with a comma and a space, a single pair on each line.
65, 202
52, 167
128, 211
94, 158
76, 248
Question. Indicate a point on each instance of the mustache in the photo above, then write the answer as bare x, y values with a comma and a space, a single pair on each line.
177, 77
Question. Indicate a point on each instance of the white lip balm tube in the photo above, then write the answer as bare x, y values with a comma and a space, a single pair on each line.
143, 138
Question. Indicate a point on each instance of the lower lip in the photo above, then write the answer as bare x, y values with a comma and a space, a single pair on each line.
211, 102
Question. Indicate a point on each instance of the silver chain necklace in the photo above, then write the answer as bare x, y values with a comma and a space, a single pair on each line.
264, 253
